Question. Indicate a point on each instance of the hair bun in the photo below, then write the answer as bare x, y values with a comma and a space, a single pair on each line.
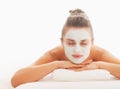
76, 12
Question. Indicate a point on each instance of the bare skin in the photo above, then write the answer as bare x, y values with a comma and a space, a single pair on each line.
55, 59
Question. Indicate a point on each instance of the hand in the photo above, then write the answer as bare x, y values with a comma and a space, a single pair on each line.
91, 66
68, 65
84, 64
87, 62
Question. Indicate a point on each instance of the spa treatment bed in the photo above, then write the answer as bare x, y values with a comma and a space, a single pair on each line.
67, 79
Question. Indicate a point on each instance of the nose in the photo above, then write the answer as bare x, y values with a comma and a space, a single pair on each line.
77, 49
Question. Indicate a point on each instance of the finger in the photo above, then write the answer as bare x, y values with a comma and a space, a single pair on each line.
79, 66
87, 62
76, 67
72, 68
81, 69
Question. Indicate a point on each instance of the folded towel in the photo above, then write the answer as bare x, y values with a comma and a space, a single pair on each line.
71, 75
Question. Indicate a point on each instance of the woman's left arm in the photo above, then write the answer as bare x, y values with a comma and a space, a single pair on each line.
104, 60
113, 68
109, 62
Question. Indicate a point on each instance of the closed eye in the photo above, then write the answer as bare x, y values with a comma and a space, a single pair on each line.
84, 43
70, 42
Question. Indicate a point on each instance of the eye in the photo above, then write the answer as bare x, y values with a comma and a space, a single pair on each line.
70, 43
84, 43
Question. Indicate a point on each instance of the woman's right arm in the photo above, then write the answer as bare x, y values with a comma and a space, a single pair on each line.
43, 66
32, 73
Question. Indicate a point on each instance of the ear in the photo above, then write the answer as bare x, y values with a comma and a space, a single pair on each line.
61, 40
92, 41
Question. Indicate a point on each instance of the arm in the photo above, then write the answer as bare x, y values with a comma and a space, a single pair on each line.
102, 59
43, 66
108, 62
113, 68
36, 71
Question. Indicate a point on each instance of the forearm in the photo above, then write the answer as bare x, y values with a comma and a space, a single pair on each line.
114, 69
33, 73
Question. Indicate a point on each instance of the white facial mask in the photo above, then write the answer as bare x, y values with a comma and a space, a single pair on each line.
77, 53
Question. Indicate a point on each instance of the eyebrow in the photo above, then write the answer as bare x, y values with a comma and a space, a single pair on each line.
84, 40
70, 40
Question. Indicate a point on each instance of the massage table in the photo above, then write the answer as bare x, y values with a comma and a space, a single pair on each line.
67, 79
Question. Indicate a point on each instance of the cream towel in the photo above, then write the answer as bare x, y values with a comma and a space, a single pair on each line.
71, 75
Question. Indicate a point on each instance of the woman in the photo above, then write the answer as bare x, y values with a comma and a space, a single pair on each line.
77, 52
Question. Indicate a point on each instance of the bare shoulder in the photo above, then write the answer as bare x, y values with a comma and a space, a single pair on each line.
57, 51
49, 56
96, 48
101, 54
97, 52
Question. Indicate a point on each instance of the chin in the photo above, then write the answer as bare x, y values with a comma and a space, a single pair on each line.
76, 62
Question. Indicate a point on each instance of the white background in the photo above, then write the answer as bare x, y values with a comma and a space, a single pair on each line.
28, 28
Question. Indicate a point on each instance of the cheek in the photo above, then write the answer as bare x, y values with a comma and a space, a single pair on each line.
86, 50
67, 48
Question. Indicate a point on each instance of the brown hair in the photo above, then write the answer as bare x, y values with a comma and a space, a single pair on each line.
77, 18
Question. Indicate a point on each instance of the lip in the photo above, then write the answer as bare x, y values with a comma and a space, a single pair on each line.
77, 56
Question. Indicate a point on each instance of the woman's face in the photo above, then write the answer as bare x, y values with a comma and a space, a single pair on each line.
77, 44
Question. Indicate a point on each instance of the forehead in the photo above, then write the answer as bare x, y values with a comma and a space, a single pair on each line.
77, 34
